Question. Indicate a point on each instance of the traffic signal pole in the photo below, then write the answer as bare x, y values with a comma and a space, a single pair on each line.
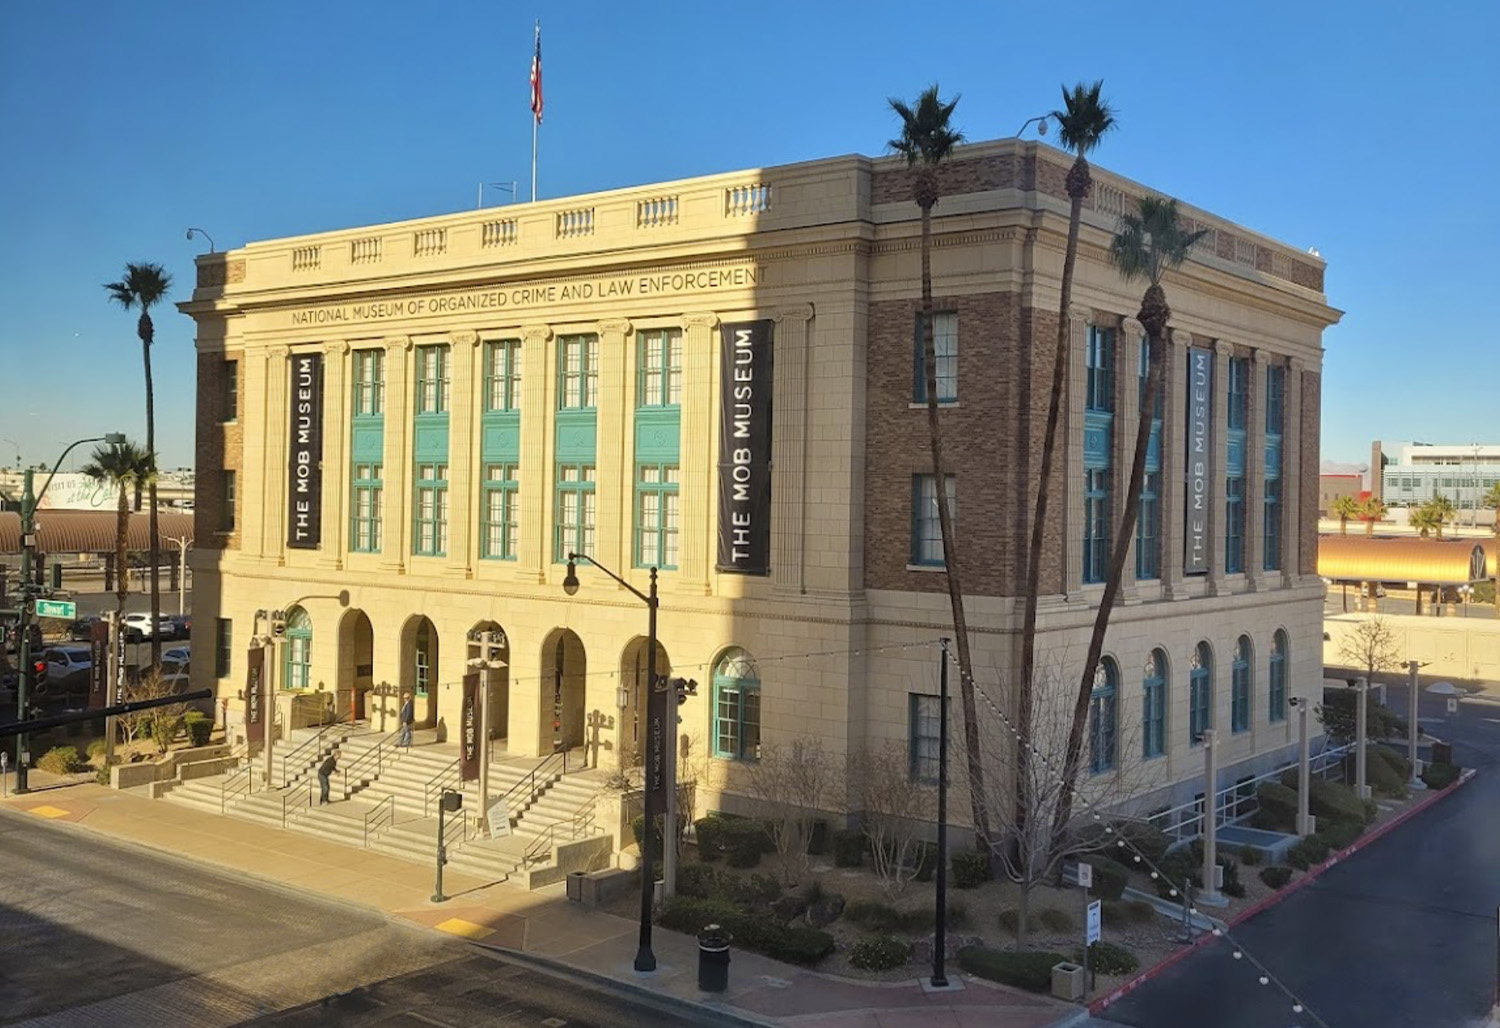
23, 653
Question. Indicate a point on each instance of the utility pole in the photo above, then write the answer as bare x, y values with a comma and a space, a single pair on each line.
1413, 666
23, 652
1210, 892
1361, 786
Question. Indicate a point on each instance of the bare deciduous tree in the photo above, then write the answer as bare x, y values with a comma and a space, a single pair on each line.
895, 812
151, 685
1371, 645
789, 786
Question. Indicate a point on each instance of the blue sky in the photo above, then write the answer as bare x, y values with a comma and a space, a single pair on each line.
1365, 133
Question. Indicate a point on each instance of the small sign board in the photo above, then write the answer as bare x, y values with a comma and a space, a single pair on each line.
499, 818
1452, 704
1086, 875
1096, 918
56, 609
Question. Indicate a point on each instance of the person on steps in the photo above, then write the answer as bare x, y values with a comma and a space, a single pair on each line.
325, 771
408, 720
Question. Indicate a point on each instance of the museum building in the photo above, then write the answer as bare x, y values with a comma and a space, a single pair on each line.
403, 430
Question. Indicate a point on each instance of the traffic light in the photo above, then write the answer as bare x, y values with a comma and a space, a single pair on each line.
56, 576
38, 674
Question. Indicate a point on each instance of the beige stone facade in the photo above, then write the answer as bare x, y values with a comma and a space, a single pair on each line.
843, 629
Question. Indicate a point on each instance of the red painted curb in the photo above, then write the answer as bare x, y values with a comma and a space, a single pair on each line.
1126, 989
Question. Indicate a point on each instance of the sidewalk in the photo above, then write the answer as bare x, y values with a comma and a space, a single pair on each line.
541, 927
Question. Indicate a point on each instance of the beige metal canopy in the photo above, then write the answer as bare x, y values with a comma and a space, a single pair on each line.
90, 531
1425, 561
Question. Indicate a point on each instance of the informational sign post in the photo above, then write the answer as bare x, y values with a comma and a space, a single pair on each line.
499, 819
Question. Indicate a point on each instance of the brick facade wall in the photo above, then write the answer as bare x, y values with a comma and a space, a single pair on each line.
219, 448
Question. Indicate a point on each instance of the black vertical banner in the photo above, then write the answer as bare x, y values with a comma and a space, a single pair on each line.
99, 664
469, 744
657, 713
304, 516
1199, 462
745, 448
255, 725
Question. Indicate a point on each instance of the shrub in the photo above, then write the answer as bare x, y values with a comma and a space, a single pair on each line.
1311, 850
745, 841
874, 915
1030, 969
698, 881
1394, 758
198, 726
879, 953
164, 730
1129, 912
60, 760
1059, 921
753, 891
1151, 842
102, 776
1440, 776
1178, 870
1276, 877
710, 834
1010, 920
98, 748
1109, 877
638, 826
970, 870
1340, 834
922, 919
1109, 958
798, 944
1252, 856
687, 914
1334, 801
1278, 807
848, 848
1384, 778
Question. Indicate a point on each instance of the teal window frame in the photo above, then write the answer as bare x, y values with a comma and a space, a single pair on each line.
945, 351
578, 372
434, 387
422, 643
430, 510
366, 486
736, 708
297, 658
657, 515
1275, 399
1104, 718
1238, 414
926, 524
500, 514
1241, 685
1148, 529
1099, 377
1276, 691
1271, 526
368, 375
1154, 705
575, 510
1200, 693
923, 723
659, 368
1234, 525
502, 375
1095, 524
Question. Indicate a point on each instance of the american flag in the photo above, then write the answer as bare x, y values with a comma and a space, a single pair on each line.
536, 77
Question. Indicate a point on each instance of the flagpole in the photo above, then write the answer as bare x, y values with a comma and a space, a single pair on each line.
534, 124
536, 107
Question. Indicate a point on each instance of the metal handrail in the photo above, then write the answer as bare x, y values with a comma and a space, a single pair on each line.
444, 779
579, 825
531, 778
230, 788
315, 744
291, 798
375, 756
375, 818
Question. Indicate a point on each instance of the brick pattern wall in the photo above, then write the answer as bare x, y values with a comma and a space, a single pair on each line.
219, 448
1312, 407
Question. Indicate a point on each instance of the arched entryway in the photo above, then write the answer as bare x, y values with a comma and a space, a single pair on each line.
564, 692
499, 698
356, 666
634, 693
419, 667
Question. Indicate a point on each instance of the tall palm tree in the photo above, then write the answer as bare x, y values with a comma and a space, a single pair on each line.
144, 286
1344, 508
1371, 510
927, 139
126, 467
1082, 124
1150, 242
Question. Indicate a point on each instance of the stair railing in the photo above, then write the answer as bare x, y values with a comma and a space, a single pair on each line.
236, 783
579, 825
449, 777
373, 759
313, 745
527, 787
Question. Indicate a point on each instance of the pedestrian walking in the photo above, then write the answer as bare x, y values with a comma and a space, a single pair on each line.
325, 771
408, 720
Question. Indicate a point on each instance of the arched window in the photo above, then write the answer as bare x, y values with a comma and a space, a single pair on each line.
1239, 700
422, 656
736, 707
298, 649
1200, 693
1104, 719
1278, 676
1154, 705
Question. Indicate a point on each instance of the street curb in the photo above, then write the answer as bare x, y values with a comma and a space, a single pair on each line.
708, 1014
1103, 1003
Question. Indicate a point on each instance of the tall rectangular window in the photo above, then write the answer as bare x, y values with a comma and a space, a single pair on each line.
924, 723
926, 526
1234, 525
1275, 399
659, 374
1154, 706
501, 500
502, 375
430, 538
223, 646
1239, 392
369, 382
656, 517
231, 390
945, 350
1099, 388
575, 510
1272, 509
1271, 530
364, 508
578, 367
1095, 523
432, 380
226, 511
1148, 529
736, 718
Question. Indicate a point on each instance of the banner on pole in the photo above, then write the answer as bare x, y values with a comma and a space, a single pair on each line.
469, 743
305, 467
255, 725
745, 382
99, 665
1200, 455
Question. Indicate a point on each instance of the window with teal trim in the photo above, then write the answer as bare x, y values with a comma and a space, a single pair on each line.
1277, 691
430, 538
1240, 685
364, 508
1271, 533
423, 647
502, 375
1104, 717
656, 517
736, 710
369, 382
1200, 693
1148, 529
578, 372
575, 510
1099, 387
1154, 705
433, 385
501, 500
926, 526
1234, 525
924, 716
1239, 393
1275, 399
1095, 523
1271, 512
945, 350
659, 374
298, 667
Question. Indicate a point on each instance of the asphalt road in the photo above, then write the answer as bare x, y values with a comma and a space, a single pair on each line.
93, 933
1401, 935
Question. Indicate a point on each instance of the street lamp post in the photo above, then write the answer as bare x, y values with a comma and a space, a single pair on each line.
1412, 690
182, 543
29, 503
1305, 822
488, 643
645, 960
940, 936
1361, 786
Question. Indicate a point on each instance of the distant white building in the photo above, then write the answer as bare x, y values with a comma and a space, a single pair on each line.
1463, 472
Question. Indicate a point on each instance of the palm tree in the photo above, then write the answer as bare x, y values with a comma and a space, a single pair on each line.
1491, 500
126, 467
1434, 514
143, 286
927, 139
1150, 241
1344, 508
1371, 510
1081, 126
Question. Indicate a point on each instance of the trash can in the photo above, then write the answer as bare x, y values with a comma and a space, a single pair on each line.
575, 886
713, 959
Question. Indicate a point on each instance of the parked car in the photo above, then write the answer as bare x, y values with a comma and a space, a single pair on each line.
176, 660
67, 673
82, 629
182, 625
138, 627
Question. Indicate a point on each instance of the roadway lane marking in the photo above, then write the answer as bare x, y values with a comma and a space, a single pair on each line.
467, 929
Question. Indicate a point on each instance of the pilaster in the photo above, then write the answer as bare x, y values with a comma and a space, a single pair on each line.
538, 401
395, 493
698, 446
273, 485
463, 453
789, 450
1291, 476
256, 367
1218, 484
335, 465
1174, 466
1255, 476
614, 474
1071, 464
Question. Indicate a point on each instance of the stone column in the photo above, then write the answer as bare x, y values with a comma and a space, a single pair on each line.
1069, 459
1218, 490
273, 494
1291, 477
537, 404
250, 479
335, 465
1128, 416
396, 471
699, 435
463, 453
1173, 465
789, 449
1255, 474
614, 470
